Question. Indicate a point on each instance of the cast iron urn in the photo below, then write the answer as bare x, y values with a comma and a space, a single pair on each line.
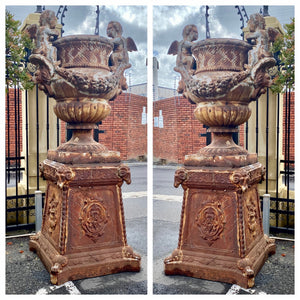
221, 236
83, 231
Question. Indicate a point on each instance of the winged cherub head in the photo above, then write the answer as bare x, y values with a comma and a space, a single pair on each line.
114, 29
190, 33
48, 18
256, 21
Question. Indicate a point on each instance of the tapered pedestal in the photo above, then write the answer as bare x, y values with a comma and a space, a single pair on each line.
221, 236
83, 232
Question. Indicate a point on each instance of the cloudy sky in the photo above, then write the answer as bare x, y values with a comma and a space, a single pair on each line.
168, 22
82, 20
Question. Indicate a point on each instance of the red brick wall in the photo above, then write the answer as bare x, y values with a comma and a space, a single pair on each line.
181, 131
15, 114
242, 135
189, 130
137, 132
123, 129
63, 131
165, 140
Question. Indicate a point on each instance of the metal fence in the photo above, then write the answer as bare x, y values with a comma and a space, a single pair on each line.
20, 206
281, 208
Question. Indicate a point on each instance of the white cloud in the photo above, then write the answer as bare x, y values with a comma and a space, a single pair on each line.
217, 29
165, 17
130, 14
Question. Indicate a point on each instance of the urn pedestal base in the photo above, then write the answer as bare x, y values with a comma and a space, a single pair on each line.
83, 231
221, 236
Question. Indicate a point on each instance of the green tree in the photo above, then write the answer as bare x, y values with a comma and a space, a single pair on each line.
284, 48
16, 43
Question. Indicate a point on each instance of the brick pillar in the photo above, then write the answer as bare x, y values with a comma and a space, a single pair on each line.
33, 18
272, 141
262, 106
272, 135
32, 136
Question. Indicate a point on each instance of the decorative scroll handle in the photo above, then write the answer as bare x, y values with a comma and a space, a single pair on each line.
124, 173
180, 177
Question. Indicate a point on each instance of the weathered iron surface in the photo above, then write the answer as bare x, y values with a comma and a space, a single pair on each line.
83, 231
221, 236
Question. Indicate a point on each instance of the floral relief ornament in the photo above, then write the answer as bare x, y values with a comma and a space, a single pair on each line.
210, 222
93, 218
52, 213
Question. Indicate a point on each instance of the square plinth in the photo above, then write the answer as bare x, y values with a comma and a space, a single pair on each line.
221, 236
83, 231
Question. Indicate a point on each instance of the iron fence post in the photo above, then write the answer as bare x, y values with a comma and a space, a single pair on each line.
38, 199
266, 213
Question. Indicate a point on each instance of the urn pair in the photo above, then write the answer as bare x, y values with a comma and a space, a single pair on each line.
221, 236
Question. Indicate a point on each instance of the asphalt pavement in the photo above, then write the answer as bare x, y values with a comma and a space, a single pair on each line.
25, 274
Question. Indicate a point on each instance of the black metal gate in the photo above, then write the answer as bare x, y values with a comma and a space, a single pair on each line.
282, 209
20, 206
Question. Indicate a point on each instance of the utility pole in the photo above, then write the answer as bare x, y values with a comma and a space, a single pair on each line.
207, 23
97, 21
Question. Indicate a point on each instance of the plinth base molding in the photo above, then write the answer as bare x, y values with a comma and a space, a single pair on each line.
63, 268
234, 270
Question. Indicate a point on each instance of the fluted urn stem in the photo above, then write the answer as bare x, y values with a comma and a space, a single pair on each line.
222, 117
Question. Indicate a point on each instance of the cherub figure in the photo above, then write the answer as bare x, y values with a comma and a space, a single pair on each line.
260, 59
44, 35
261, 37
119, 59
185, 62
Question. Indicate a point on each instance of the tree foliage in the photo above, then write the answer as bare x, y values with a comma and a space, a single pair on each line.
16, 45
284, 48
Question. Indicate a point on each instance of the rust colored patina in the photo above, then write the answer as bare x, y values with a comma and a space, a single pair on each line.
221, 236
83, 230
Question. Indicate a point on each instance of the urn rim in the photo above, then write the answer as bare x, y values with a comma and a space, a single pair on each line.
81, 38
222, 41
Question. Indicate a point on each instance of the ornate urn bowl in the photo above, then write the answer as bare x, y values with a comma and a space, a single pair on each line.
83, 231
81, 82
222, 86
221, 236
